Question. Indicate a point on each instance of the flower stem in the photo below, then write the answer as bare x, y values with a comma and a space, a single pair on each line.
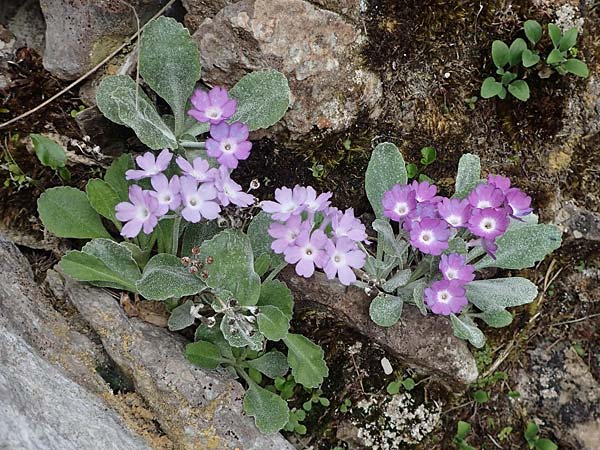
276, 271
192, 144
175, 244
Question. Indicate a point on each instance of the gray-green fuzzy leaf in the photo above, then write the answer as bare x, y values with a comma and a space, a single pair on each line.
468, 175
516, 50
239, 335
276, 293
103, 198
385, 310
519, 89
66, 212
500, 293
115, 175
306, 360
123, 102
260, 239
203, 354
196, 233
109, 265
533, 31
399, 279
272, 323
273, 364
165, 277
490, 88
170, 64
523, 247
466, 329
391, 246
181, 317
270, 411
500, 53
233, 266
214, 335
386, 168
496, 319
263, 99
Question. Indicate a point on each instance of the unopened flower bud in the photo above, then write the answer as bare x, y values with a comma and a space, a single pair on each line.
196, 250
204, 274
185, 261
193, 270
254, 184
210, 260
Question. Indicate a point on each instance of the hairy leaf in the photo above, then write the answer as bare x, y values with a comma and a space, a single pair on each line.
490, 88
123, 102
276, 293
519, 89
115, 175
170, 64
468, 175
181, 317
272, 323
263, 99
306, 360
232, 268
272, 364
66, 212
386, 168
270, 411
500, 293
500, 53
385, 310
165, 277
103, 198
533, 31
203, 354
523, 246
466, 329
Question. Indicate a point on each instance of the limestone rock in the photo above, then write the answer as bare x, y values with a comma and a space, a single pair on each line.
197, 408
559, 389
318, 51
81, 33
43, 409
426, 342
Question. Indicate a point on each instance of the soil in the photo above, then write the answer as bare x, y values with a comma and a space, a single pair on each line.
431, 56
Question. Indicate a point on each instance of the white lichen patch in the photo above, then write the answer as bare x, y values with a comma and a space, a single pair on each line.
567, 17
396, 420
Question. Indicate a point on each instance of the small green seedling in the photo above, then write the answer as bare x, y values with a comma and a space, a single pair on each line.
504, 433
345, 406
76, 111
294, 424
428, 156
394, 387
462, 431
533, 439
481, 397
514, 63
315, 398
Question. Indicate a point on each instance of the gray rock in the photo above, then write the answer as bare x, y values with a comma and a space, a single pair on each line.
425, 342
80, 34
318, 50
198, 10
198, 409
581, 223
559, 389
27, 312
43, 409
26, 22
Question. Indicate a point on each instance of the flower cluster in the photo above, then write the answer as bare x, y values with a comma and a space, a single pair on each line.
431, 221
310, 233
199, 191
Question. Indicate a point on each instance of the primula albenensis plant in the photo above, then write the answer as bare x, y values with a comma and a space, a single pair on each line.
155, 228
514, 63
432, 258
165, 208
435, 255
